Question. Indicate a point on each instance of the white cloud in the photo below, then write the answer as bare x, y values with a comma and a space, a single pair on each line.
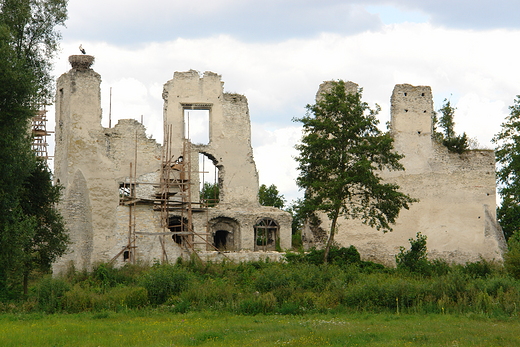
476, 69
273, 158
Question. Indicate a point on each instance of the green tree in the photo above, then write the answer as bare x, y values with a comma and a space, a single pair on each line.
512, 256
50, 239
270, 196
416, 258
342, 153
32, 34
507, 156
209, 194
448, 137
28, 41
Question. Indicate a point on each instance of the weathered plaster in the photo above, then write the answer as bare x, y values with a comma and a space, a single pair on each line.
456, 192
91, 162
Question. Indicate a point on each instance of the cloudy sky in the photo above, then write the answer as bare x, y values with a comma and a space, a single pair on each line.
277, 52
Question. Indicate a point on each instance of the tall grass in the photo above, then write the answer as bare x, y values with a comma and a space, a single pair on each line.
297, 286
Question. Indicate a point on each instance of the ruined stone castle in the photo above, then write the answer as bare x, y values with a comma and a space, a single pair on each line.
456, 192
127, 198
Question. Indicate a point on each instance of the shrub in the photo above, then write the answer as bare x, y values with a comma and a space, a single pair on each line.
512, 256
209, 293
337, 256
107, 276
163, 281
260, 303
271, 278
415, 259
124, 297
479, 269
80, 299
50, 293
86, 299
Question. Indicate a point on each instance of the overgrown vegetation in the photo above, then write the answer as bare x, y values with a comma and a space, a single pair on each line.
300, 285
448, 137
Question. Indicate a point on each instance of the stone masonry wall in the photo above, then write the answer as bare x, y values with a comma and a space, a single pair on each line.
456, 192
94, 164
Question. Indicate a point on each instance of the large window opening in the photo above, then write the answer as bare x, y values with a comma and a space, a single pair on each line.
179, 228
266, 234
209, 181
196, 125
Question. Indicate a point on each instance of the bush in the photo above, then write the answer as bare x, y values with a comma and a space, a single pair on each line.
163, 281
261, 303
415, 259
337, 256
107, 276
50, 293
209, 293
86, 299
81, 299
479, 269
512, 256
125, 297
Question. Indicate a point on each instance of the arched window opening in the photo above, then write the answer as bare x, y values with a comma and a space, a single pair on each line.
266, 234
209, 181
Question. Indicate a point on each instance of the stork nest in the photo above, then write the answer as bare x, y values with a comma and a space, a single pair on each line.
81, 62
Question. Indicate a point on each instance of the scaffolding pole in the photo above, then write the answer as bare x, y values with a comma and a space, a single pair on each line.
39, 135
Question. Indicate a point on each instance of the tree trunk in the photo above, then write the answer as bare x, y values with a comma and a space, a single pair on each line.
25, 284
331, 237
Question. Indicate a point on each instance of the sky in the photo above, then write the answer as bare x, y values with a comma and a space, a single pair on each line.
277, 52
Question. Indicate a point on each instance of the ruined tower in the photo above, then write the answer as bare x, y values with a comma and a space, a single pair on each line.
411, 124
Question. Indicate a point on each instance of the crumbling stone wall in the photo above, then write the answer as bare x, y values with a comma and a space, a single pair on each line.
229, 132
230, 150
92, 163
456, 192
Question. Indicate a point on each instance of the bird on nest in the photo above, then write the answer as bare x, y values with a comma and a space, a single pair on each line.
82, 50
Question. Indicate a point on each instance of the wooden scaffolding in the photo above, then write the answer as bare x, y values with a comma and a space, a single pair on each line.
39, 134
172, 199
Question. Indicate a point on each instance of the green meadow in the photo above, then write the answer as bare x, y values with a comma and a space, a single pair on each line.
155, 328
299, 302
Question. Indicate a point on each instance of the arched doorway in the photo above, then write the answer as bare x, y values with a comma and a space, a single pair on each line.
224, 233
266, 234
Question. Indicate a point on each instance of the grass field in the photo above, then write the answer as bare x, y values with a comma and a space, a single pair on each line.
153, 328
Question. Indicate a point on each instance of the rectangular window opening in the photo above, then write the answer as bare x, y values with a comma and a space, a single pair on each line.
196, 125
208, 178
